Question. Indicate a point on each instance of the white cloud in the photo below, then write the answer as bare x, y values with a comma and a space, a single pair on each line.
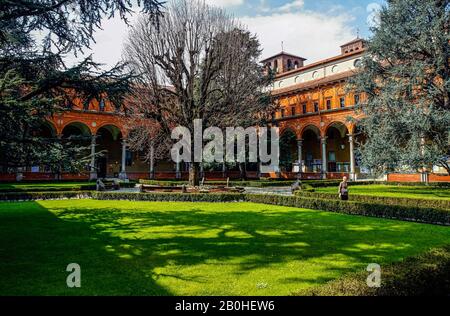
225, 3
294, 5
311, 35
109, 42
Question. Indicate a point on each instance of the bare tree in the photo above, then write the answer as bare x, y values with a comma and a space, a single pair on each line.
197, 63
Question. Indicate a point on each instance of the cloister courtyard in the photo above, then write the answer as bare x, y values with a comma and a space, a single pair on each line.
162, 246
175, 148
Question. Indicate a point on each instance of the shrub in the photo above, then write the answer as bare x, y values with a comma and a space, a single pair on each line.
438, 204
400, 212
31, 196
53, 187
426, 274
85, 187
255, 183
419, 184
306, 188
406, 213
170, 197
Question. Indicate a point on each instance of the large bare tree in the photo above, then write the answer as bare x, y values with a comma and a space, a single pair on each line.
197, 63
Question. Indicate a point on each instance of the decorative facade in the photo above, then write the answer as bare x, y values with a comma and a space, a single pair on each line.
313, 120
317, 115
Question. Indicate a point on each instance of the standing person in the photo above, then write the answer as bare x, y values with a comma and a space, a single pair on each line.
343, 189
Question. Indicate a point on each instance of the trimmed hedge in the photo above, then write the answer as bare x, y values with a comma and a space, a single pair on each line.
255, 184
420, 184
427, 274
399, 212
438, 204
32, 196
75, 187
170, 197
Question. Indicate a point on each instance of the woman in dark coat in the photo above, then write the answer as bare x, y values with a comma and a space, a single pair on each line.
343, 189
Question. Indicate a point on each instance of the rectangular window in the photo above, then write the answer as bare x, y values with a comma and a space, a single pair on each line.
304, 108
86, 105
293, 112
357, 98
316, 106
329, 104
283, 113
342, 102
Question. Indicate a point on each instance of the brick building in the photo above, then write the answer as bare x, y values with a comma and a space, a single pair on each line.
314, 113
317, 134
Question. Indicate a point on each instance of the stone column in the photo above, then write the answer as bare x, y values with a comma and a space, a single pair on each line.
202, 171
300, 157
423, 172
178, 169
351, 140
324, 157
123, 169
152, 162
224, 169
93, 172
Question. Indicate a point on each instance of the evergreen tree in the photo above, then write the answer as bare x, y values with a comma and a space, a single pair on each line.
35, 83
406, 77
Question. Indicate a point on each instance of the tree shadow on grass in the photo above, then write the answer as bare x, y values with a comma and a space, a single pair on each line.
170, 244
190, 250
36, 246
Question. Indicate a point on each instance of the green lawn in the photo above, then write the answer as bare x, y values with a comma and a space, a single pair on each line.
413, 192
158, 248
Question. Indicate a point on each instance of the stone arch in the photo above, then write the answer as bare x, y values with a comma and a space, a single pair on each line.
311, 149
82, 128
287, 129
288, 149
109, 148
48, 129
115, 131
340, 126
337, 147
310, 127
77, 134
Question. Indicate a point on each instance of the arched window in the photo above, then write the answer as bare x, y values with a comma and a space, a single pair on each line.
289, 64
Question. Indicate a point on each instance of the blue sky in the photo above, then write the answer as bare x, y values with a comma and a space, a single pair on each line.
357, 8
313, 29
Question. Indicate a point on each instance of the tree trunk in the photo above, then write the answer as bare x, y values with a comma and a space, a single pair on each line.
194, 178
446, 166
